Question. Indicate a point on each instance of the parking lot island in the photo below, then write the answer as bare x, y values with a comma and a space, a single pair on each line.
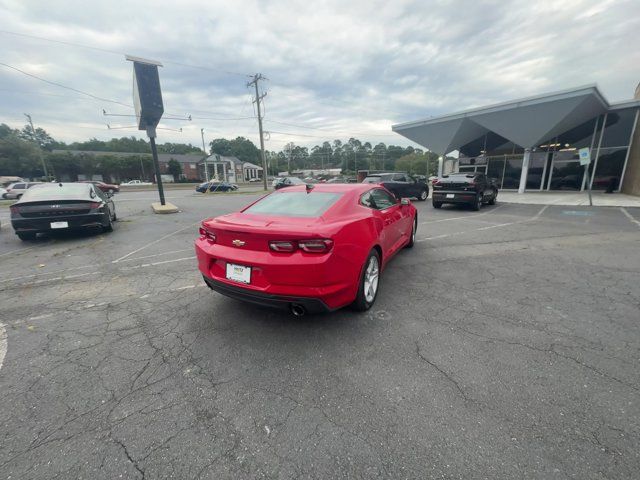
157, 207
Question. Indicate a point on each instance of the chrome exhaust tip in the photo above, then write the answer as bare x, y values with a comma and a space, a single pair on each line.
298, 310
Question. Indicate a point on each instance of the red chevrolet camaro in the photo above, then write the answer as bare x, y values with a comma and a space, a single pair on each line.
307, 248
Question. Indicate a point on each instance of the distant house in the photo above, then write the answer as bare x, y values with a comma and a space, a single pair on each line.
230, 169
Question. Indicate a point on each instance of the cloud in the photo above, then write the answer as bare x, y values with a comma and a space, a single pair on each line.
345, 69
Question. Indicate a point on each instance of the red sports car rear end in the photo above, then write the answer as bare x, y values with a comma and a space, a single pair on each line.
308, 249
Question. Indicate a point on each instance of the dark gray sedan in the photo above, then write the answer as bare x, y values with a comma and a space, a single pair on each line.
60, 207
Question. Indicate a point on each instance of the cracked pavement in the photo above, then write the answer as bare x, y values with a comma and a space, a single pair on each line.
503, 346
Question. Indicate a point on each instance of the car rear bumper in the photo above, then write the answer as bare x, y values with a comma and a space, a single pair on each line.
323, 282
458, 197
43, 224
283, 302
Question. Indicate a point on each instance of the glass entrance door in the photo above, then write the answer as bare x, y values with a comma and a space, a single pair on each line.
566, 172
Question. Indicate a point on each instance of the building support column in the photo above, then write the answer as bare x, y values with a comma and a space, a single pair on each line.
525, 170
440, 166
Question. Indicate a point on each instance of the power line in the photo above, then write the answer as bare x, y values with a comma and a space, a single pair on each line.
65, 86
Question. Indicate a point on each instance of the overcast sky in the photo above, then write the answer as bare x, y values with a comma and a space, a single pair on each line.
336, 69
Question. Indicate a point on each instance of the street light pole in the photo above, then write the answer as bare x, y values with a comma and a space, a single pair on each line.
33, 130
206, 172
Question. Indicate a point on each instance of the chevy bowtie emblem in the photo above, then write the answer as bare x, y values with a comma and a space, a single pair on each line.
238, 243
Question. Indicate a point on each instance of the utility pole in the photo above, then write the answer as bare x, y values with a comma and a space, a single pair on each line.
206, 172
256, 78
33, 130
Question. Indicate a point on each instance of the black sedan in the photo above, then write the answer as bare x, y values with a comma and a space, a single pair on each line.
216, 187
400, 184
283, 182
60, 207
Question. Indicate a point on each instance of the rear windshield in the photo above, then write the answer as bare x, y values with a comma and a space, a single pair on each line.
376, 178
44, 191
295, 204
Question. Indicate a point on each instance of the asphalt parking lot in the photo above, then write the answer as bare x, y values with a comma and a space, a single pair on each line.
506, 344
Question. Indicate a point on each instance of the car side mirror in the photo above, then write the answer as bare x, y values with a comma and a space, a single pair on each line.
405, 201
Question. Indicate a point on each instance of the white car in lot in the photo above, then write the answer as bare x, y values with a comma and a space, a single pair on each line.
15, 190
135, 183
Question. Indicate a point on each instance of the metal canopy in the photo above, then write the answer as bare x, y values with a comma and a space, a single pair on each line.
526, 122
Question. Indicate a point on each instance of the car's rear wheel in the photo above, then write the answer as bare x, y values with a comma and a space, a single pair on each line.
109, 226
494, 198
437, 204
25, 236
423, 195
477, 204
369, 282
412, 238
19, 196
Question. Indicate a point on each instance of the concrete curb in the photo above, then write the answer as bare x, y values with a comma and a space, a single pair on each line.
166, 208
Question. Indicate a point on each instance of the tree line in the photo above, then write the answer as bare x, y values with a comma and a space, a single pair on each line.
23, 152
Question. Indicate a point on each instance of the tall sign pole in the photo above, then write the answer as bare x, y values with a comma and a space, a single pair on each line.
256, 78
147, 101
585, 160
206, 172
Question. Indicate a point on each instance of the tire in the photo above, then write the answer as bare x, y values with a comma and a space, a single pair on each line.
412, 238
18, 197
423, 195
477, 205
25, 236
109, 226
437, 204
494, 198
365, 299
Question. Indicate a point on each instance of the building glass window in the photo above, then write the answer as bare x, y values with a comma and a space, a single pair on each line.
536, 170
617, 130
512, 172
495, 168
609, 168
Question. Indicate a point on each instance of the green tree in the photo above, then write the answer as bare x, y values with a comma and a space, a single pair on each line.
174, 168
38, 136
240, 147
19, 157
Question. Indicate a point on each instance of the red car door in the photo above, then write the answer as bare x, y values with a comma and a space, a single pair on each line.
390, 212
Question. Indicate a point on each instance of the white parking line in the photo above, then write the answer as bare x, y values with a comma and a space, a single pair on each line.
3, 343
156, 241
447, 235
629, 216
469, 217
144, 265
158, 254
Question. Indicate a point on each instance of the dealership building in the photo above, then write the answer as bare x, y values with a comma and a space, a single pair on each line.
532, 144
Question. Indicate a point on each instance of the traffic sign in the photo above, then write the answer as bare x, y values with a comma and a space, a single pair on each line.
585, 156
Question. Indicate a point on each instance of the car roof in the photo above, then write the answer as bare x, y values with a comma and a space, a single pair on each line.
332, 188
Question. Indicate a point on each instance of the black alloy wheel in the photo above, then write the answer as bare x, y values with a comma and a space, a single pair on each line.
477, 205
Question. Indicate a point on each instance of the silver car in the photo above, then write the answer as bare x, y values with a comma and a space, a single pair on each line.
15, 190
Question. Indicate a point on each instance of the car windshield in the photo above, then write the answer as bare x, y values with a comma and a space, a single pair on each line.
372, 179
55, 190
294, 204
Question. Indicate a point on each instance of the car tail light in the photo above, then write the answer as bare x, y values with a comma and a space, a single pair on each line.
309, 246
208, 234
95, 205
14, 209
283, 246
316, 246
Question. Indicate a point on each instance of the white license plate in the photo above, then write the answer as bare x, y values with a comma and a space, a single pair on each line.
238, 273
451, 195
59, 224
